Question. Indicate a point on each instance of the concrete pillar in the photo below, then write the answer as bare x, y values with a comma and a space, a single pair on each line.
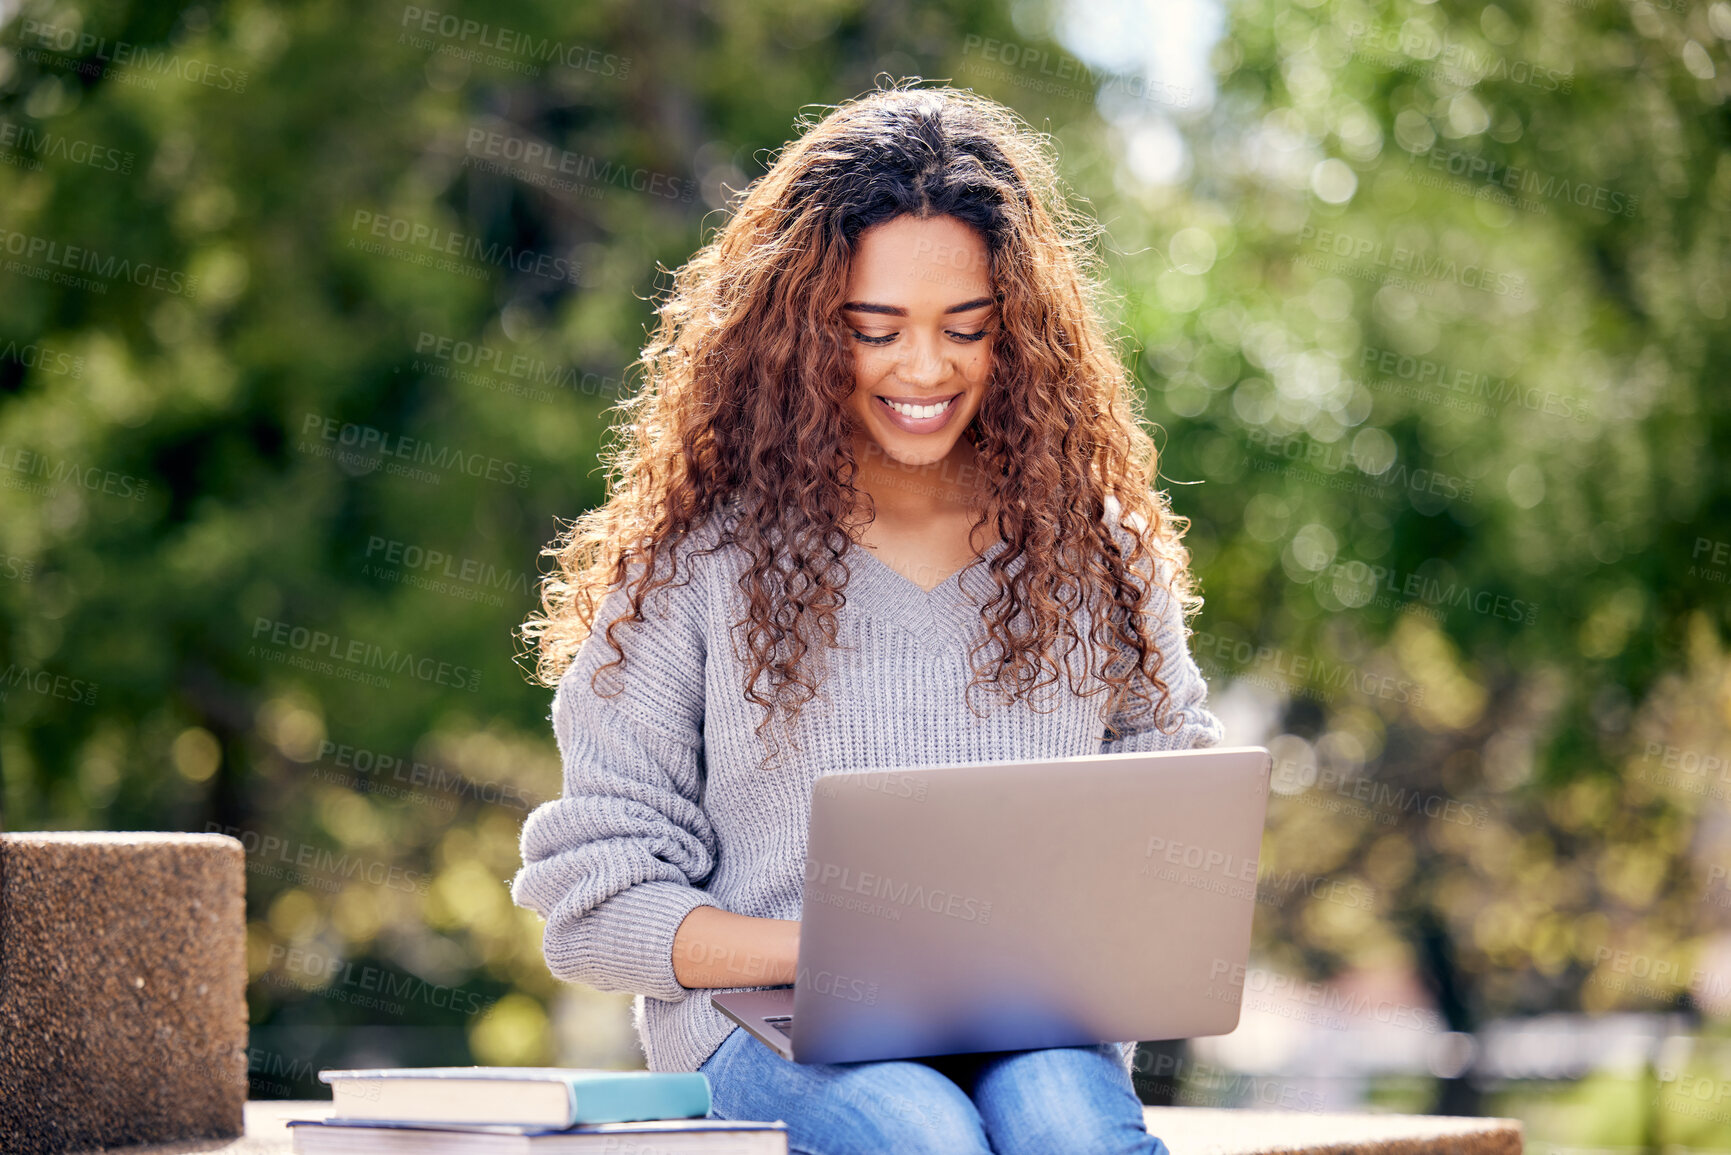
122, 989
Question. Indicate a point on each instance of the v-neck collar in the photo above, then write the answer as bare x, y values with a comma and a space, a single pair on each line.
948, 612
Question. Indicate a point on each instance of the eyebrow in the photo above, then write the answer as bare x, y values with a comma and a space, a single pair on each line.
898, 311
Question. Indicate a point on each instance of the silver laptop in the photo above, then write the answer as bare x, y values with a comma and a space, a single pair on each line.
1013, 905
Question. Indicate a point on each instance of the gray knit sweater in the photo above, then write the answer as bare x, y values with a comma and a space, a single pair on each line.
666, 809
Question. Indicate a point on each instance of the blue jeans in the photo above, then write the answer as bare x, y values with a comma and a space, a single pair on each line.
1042, 1102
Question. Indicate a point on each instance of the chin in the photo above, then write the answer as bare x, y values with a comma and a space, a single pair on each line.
928, 453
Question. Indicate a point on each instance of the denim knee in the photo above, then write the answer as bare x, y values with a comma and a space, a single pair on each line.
845, 1108
1070, 1099
905, 1107
1082, 1135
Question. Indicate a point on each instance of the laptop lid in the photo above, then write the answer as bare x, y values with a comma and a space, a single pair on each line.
1011, 905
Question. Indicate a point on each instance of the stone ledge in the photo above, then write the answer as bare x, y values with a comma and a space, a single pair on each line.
122, 989
1220, 1131
1186, 1131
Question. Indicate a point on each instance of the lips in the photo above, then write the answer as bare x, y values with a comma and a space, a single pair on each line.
918, 414
920, 400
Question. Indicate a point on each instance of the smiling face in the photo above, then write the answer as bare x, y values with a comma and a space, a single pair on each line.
922, 317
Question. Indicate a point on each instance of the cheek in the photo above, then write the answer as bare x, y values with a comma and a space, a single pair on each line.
979, 366
868, 366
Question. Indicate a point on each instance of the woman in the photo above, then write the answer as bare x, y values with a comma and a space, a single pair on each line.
884, 457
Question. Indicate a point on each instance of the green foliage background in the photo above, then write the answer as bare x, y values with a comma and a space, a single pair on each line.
1477, 605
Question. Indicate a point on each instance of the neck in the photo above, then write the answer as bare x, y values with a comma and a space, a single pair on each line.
919, 493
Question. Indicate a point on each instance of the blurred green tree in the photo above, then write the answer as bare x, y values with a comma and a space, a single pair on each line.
310, 319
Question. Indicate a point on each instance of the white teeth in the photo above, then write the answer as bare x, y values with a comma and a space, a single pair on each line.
919, 411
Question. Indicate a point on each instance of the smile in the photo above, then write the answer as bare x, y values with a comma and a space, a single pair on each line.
920, 412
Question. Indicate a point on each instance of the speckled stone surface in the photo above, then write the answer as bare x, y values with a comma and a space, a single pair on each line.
1221, 1131
1186, 1131
122, 989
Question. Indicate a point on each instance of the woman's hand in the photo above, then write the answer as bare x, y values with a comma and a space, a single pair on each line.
717, 948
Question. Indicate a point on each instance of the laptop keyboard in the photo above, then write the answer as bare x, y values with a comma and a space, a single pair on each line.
782, 1023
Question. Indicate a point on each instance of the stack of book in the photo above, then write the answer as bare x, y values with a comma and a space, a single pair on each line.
525, 1110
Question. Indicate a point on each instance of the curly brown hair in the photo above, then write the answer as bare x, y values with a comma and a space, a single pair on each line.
744, 382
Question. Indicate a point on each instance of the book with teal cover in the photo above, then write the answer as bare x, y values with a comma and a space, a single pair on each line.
548, 1096
661, 1137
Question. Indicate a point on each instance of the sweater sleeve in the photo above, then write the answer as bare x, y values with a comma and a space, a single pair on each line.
616, 864
1183, 721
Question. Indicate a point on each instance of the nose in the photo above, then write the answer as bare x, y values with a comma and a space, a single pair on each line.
922, 364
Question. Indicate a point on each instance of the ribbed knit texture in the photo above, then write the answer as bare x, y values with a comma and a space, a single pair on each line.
666, 808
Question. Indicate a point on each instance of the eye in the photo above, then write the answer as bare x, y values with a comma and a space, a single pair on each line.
969, 336
884, 340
